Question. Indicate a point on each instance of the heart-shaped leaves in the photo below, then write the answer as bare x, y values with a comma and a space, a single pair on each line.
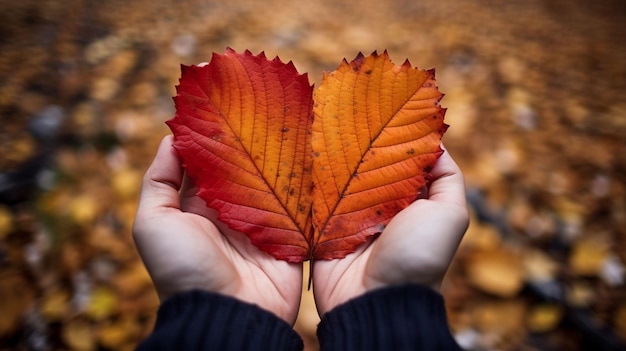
376, 134
244, 129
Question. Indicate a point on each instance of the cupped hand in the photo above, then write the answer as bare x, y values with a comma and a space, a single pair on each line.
183, 249
417, 245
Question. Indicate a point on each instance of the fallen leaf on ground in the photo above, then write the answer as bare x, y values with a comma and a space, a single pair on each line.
544, 317
79, 335
54, 304
498, 272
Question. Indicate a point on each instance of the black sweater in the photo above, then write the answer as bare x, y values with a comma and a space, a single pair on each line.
407, 317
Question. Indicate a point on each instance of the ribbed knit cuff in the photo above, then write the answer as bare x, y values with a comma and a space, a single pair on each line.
406, 317
199, 320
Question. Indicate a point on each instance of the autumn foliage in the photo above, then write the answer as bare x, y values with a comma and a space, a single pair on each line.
307, 174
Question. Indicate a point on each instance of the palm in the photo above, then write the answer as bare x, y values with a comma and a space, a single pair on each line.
183, 249
248, 273
416, 246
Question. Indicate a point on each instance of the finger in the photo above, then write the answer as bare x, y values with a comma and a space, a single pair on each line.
162, 180
448, 184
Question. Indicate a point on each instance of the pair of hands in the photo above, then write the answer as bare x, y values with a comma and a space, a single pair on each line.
183, 249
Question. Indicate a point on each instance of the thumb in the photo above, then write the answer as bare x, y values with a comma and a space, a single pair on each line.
448, 185
162, 180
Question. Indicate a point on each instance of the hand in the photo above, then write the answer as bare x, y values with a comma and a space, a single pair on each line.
179, 241
417, 245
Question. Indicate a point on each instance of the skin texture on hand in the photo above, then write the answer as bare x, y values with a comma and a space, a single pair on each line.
183, 249
417, 245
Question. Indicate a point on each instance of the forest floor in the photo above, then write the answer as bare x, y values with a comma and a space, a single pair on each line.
537, 114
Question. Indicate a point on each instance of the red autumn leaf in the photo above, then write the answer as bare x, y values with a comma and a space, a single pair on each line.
376, 135
243, 129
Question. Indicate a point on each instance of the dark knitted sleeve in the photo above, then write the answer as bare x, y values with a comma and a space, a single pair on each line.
199, 320
407, 317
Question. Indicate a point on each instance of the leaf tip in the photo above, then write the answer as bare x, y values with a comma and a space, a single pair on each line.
357, 62
442, 130
184, 69
261, 55
292, 67
441, 96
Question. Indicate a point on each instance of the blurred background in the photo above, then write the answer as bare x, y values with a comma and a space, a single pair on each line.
535, 98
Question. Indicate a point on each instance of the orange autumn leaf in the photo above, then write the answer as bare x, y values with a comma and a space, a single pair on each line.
244, 130
376, 135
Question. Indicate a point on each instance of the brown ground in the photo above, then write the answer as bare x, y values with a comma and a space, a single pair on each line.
534, 91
